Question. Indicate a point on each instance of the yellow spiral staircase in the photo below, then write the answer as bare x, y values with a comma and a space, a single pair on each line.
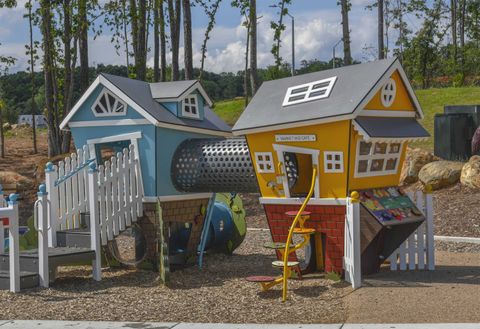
287, 248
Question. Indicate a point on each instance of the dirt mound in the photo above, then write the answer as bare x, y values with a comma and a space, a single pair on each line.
11, 178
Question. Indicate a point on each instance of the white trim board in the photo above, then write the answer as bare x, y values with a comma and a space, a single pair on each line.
103, 123
387, 113
299, 201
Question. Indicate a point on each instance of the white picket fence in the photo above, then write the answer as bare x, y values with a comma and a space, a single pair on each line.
418, 251
67, 188
352, 257
3, 204
112, 194
10, 211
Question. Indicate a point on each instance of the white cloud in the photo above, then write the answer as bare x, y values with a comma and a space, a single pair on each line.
315, 34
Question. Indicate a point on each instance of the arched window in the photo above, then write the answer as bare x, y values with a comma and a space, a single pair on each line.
108, 105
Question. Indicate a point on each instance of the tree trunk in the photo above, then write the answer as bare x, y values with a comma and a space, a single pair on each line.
453, 22
347, 56
253, 46
125, 35
48, 70
2, 135
141, 65
462, 38
381, 46
245, 77
163, 50
211, 23
175, 15
32, 78
83, 46
187, 40
156, 41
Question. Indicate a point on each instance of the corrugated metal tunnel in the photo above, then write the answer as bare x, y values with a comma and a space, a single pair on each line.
213, 165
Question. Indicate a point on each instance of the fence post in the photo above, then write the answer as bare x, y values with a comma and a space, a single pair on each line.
2, 229
429, 229
14, 246
41, 226
51, 176
357, 266
94, 220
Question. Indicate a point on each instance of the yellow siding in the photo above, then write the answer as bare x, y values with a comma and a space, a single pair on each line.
330, 137
372, 181
402, 100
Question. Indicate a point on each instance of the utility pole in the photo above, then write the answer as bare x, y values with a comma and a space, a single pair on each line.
335, 46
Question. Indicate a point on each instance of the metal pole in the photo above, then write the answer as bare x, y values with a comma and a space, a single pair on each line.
333, 61
293, 45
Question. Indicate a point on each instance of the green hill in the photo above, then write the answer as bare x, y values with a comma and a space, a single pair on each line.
432, 101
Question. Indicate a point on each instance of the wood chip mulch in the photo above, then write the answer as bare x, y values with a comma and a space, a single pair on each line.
217, 293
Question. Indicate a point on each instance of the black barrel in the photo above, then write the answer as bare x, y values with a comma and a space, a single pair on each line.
213, 165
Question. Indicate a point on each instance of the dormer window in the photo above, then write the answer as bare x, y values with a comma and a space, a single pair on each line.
190, 107
108, 105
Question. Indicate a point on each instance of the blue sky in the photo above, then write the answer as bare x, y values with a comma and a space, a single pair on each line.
317, 29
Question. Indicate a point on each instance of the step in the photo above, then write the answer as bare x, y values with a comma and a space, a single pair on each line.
77, 238
279, 263
276, 245
298, 230
27, 280
260, 278
294, 213
56, 257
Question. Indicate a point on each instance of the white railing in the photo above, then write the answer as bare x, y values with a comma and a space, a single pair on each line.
67, 192
115, 193
418, 251
351, 258
11, 212
3, 204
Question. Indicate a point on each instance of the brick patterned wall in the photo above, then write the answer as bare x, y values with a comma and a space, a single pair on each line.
329, 220
185, 211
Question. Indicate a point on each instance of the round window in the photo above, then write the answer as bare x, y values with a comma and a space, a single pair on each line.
388, 93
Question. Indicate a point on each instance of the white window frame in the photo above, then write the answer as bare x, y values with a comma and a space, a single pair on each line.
109, 111
309, 89
189, 114
371, 156
262, 162
332, 161
388, 93
280, 149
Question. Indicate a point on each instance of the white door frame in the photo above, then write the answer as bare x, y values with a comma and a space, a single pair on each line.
133, 137
279, 148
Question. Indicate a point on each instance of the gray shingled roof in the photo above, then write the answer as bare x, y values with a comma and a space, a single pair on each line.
170, 89
140, 93
353, 84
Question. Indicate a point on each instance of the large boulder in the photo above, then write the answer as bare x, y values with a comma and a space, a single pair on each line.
471, 172
440, 174
414, 161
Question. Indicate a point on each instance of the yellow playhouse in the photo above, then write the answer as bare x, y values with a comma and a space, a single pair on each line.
336, 131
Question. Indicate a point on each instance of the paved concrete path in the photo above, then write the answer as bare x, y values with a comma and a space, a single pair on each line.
34, 324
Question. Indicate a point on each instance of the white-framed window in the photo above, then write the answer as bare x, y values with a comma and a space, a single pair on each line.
333, 162
190, 107
309, 91
377, 158
264, 161
107, 105
389, 90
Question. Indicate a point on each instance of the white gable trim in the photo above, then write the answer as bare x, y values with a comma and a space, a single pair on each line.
196, 86
116, 91
384, 79
386, 113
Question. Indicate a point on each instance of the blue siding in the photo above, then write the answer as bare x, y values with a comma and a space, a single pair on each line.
172, 107
167, 142
86, 113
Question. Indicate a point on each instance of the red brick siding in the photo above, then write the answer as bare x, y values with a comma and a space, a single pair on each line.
329, 220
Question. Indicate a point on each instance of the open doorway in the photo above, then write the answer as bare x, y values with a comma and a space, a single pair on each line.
297, 164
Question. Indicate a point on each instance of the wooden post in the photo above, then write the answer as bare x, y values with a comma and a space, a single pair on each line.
2, 229
42, 228
94, 221
14, 246
429, 228
51, 175
357, 266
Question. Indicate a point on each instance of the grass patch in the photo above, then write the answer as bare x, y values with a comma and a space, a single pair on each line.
229, 111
